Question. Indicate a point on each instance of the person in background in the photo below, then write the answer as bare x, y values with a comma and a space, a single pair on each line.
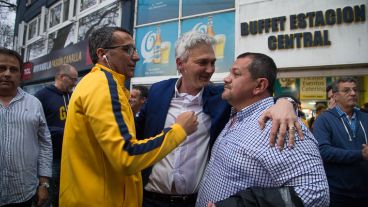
330, 97
241, 157
365, 108
174, 180
138, 95
25, 143
319, 109
102, 158
55, 99
342, 136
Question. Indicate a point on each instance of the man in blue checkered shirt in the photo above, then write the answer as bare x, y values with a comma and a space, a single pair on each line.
241, 156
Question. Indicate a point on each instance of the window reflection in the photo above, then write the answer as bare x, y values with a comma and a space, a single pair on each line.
36, 49
55, 15
85, 4
107, 16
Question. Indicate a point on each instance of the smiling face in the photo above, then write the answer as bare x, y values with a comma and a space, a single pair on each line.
197, 69
118, 59
10, 75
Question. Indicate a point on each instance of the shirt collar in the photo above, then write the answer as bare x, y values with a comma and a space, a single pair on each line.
342, 113
20, 94
119, 77
197, 98
260, 105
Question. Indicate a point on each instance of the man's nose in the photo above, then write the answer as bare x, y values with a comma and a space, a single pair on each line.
7, 72
210, 68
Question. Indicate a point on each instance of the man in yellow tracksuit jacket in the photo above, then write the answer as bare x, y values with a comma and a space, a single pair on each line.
102, 158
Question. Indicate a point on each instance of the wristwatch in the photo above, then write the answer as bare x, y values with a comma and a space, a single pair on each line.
45, 184
292, 101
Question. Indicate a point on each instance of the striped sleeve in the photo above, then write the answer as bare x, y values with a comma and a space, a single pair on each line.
113, 124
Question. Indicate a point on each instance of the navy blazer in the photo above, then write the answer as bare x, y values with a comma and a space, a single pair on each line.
152, 116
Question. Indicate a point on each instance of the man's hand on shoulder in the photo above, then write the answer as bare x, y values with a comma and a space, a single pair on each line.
283, 119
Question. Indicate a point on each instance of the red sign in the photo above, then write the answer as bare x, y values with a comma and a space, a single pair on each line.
27, 71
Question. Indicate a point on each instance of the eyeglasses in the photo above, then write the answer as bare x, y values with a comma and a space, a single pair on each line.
348, 90
130, 49
71, 78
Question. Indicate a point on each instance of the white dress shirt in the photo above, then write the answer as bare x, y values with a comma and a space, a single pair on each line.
180, 171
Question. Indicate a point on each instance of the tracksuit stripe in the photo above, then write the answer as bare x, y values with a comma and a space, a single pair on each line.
132, 149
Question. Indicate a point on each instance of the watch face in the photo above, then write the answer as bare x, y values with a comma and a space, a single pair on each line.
46, 185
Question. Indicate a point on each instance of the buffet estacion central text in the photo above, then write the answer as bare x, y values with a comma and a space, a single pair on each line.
318, 20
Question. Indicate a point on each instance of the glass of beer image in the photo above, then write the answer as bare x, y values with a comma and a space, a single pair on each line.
220, 45
165, 52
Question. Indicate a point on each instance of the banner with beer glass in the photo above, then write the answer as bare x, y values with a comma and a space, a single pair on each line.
156, 45
221, 27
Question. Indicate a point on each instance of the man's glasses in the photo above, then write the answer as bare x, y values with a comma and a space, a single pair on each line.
129, 49
348, 90
70, 77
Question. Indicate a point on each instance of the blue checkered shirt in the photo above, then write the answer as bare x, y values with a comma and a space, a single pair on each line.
241, 158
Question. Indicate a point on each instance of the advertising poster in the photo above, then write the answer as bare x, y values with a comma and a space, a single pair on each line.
192, 7
221, 27
313, 88
287, 86
156, 45
156, 10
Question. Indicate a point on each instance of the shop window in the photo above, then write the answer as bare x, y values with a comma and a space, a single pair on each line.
61, 38
66, 10
36, 49
33, 28
58, 13
193, 7
154, 10
55, 15
107, 16
85, 4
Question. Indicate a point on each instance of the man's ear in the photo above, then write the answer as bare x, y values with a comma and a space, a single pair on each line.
100, 53
262, 85
179, 65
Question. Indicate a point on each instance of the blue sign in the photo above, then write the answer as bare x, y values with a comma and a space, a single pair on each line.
157, 10
221, 27
192, 7
156, 48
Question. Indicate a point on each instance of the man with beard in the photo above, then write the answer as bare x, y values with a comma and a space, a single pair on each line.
55, 101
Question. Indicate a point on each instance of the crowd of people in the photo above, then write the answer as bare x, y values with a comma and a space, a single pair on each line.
183, 142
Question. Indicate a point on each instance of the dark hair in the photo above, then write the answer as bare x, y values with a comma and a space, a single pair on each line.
329, 87
335, 85
10, 52
142, 89
102, 38
262, 66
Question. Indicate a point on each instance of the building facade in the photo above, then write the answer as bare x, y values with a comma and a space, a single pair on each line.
312, 42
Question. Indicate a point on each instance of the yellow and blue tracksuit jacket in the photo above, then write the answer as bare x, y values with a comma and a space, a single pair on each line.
102, 158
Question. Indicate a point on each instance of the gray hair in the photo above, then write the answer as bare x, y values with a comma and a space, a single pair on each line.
189, 41
335, 85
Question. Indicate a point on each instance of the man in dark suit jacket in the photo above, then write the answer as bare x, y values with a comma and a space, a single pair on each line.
174, 180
